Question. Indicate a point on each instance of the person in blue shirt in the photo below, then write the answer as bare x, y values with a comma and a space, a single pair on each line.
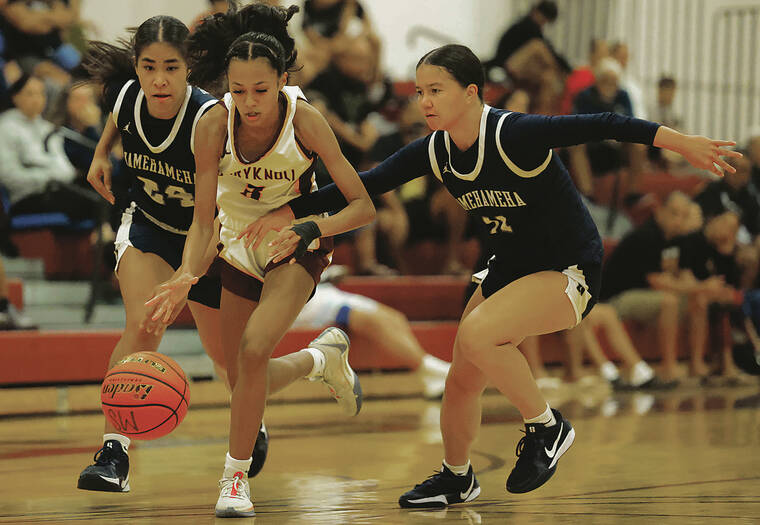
544, 273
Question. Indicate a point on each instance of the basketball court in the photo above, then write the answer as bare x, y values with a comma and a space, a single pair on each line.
684, 456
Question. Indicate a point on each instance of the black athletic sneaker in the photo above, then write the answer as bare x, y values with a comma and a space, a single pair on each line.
441, 489
110, 472
260, 449
538, 452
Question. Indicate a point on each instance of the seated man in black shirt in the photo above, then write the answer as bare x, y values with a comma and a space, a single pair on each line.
641, 279
709, 255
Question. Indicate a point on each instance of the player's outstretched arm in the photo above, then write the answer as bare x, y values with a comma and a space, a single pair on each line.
701, 152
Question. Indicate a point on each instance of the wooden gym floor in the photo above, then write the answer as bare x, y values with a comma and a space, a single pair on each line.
687, 456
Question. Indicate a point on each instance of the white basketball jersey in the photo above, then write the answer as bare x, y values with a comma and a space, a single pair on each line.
248, 190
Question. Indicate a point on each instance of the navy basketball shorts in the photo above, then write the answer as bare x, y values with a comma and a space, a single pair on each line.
584, 281
139, 232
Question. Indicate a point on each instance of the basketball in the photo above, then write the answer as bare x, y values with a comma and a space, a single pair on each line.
145, 395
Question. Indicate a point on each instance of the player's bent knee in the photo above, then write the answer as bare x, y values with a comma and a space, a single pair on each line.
253, 353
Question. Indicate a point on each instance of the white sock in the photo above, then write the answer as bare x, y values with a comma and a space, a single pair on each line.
547, 418
232, 466
124, 440
641, 373
319, 364
459, 470
433, 364
609, 371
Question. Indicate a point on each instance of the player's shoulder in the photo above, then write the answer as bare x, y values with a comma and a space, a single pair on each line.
201, 97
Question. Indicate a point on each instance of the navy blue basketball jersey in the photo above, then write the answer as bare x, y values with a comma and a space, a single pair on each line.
532, 215
532, 219
162, 174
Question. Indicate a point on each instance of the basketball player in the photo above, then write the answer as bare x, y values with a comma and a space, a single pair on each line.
157, 116
256, 151
544, 273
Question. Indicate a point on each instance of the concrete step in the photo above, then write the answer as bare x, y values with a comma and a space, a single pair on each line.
24, 268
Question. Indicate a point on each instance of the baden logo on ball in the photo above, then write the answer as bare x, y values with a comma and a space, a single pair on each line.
145, 395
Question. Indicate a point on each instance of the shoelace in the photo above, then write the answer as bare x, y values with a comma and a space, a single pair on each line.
104, 456
431, 479
526, 442
227, 484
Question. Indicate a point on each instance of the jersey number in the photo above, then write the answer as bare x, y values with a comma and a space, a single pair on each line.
172, 192
497, 224
252, 192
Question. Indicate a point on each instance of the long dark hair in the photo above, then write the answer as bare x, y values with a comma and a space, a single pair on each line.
461, 62
257, 30
108, 63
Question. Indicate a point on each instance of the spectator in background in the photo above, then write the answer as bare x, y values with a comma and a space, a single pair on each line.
34, 168
10, 317
734, 193
753, 149
642, 282
619, 51
606, 93
78, 115
529, 59
344, 89
662, 111
328, 27
33, 32
599, 158
583, 77
709, 258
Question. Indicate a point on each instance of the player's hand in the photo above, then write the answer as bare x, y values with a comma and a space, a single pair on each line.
99, 177
707, 154
295, 240
167, 302
284, 245
277, 220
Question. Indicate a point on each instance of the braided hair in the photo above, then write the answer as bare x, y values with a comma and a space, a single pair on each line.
257, 30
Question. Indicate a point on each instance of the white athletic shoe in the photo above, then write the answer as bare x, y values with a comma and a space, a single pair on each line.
234, 497
433, 372
338, 375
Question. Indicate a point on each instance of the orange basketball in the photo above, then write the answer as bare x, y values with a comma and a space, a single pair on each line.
145, 395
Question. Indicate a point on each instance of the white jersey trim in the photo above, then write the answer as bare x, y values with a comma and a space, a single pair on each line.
119, 100
175, 128
481, 148
433, 159
198, 116
511, 165
292, 94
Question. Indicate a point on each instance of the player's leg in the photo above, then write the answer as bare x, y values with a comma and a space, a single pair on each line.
536, 304
209, 324
460, 421
139, 273
286, 289
605, 317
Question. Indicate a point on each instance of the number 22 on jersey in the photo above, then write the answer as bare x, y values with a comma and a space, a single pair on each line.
497, 224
